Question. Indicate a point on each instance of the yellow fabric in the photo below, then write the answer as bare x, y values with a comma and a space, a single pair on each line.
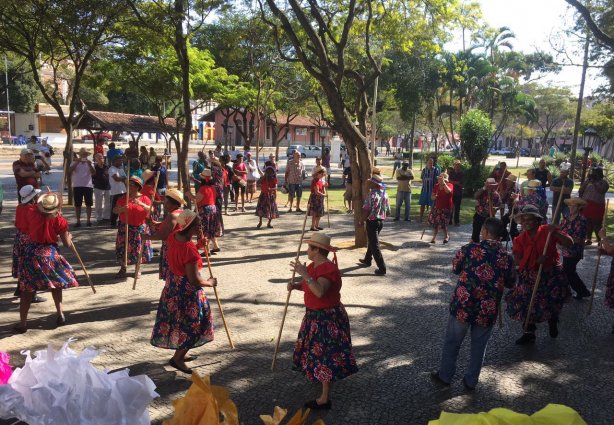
299, 418
552, 414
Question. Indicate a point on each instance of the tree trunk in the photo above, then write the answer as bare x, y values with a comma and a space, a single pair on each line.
66, 164
181, 49
411, 141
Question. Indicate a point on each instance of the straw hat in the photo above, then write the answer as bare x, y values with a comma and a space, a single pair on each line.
49, 203
186, 218
206, 173
318, 169
491, 181
27, 193
511, 178
175, 195
376, 171
534, 184
575, 201
147, 174
84, 151
26, 152
321, 240
377, 179
529, 210
137, 180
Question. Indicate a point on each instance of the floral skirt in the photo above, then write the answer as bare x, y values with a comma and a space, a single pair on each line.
163, 269
251, 186
22, 240
208, 220
316, 205
552, 293
323, 350
267, 206
184, 316
46, 269
135, 241
439, 217
609, 287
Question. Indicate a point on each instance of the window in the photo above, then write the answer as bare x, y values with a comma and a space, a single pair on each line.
301, 131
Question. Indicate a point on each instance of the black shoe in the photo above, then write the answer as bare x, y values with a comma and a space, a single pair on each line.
526, 338
299, 210
395, 219
77, 225
467, 386
365, 262
437, 379
553, 329
37, 299
179, 368
408, 220
582, 294
17, 293
313, 405
61, 320
380, 272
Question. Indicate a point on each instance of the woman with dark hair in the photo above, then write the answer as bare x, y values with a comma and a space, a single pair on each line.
227, 175
315, 206
149, 179
28, 196
593, 191
323, 350
173, 201
552, 291
207, 210
135, 206
442, 207
184, 317
267, 201
217, 178
144, 157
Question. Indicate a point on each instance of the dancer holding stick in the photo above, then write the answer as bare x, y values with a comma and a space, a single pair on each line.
537, 260
283, 319
605, 215
137, 268
486, 199
126, 229
608, 249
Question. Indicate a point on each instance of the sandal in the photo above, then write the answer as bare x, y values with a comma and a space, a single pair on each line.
446, 240
269, 226
259, 225
121, 273
313, 229
179, 368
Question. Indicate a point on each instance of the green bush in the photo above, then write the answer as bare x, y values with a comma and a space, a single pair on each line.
554, 170
475, 130
445, 161
474, 180
595, 158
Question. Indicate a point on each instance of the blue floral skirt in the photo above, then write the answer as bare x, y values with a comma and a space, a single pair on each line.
323, 350
184, 316
135, 241
609, 287
439, 217
163, 266
316, 205
46, 269
552, 293
267, 206
22, 240
208, 221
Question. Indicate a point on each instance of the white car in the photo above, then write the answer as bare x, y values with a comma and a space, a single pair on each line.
306, 151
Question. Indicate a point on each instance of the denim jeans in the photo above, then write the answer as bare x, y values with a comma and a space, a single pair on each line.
455, 333
403, 197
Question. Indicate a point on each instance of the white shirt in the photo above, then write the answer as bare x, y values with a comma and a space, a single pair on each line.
117, 188
81, 174
252, 170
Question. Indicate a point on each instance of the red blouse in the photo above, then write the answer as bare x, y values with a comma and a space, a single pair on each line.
208, 192
150, 192
444, 200
46, 228
332, 297
22, 216
179, 254
317, 184
530, 249
268, 185
136, 214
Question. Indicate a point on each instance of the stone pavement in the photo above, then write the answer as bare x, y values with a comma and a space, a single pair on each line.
397, 328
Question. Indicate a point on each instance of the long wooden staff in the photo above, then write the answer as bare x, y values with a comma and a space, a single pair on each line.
74, 250
605, 214
327, 209
127, 201
539, 271
217, 298
283, 319
137, 268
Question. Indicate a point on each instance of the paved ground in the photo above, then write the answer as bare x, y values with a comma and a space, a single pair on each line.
397, 328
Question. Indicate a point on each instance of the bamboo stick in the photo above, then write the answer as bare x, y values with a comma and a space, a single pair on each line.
126, 226
74, 250
137, 267
590, 304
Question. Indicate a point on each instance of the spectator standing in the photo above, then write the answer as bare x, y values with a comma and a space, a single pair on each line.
152, 157
347, 195
198, 166
113, 152
162, 180
132, 152
398, 157
25, 171
144, 158
404, 177
326, 163
38, 150
429, 177
227, 174
295, 173
456, 178
543, 175
102, 188
99, 147
375, 208
239, 181
593, 191
561, 184
82, 171
117, 183
253, 174
46, 151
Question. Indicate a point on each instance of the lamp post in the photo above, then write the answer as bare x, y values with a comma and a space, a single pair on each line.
323, 133
588, 141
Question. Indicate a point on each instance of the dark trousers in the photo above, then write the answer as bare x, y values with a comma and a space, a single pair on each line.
478, 221
569, 266
114, 199
373, 250
457, 198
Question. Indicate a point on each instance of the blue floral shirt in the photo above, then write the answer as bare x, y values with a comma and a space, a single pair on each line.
575, 228
481, 204
376, 205
484, 269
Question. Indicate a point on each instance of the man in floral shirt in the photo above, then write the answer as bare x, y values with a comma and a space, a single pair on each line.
484, 269
375, 208
487, 201
574, 224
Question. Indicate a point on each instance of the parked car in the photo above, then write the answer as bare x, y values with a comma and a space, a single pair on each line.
306, 151
98, 136
525, 152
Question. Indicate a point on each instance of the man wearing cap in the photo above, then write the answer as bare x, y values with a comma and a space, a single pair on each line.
82, 171
561, 184
574, 224
404, 177
524, 186
374, 210
487, 201
100, 179
25, 171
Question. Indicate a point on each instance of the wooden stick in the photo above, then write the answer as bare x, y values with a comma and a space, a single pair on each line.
327, 209
137, 267
283, 319
539, 271
605, 214
74, 250
127, 201
217, 298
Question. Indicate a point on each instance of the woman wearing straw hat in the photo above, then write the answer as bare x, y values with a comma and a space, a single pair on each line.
183, 320
136, 206
487, 201
552, 291
316, 199
149, 180
205, 200
173, 201
323, 350
442, 208
267, 201
46, 269
533, 198
574, 224
81, 171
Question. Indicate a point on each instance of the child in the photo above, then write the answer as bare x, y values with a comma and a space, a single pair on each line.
267, 201
316, 200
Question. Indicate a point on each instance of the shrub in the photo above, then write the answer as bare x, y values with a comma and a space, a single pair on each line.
595, 158
445, 161
475, 130
474, 178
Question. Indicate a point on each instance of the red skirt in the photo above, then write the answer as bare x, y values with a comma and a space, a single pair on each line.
594, 210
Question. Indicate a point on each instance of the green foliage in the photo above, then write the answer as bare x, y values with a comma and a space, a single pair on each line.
23, 93
475, 130
474, 178
445, 161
